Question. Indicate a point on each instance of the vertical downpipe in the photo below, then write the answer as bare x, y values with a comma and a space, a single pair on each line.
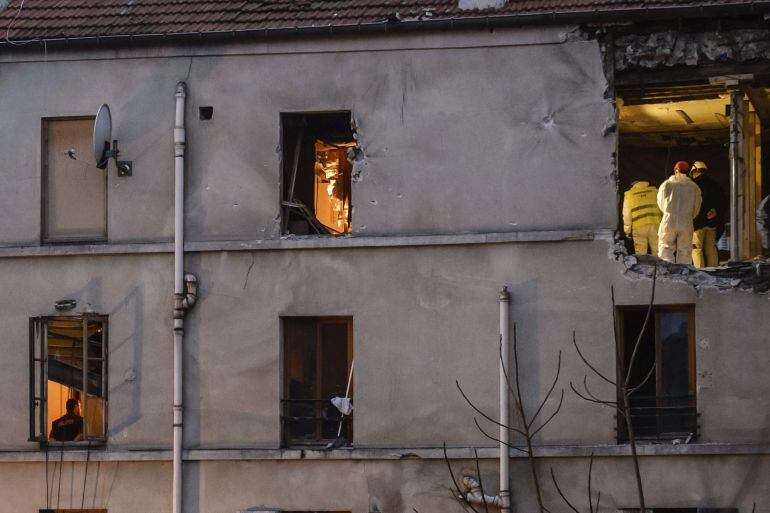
179, 149
736, 174
505, 461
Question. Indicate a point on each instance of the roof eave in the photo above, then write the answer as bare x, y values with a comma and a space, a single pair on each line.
701, 10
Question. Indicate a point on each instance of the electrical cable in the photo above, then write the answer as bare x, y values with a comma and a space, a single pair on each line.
49, 499
61, 465
45, 448
85, 477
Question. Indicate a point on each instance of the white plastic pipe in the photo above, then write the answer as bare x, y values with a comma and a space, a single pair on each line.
179, 148
505, 461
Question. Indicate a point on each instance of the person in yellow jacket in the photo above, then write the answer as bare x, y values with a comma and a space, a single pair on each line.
679, 199
641, 216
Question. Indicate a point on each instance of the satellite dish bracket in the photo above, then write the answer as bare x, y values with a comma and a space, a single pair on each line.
125, 167
103, 150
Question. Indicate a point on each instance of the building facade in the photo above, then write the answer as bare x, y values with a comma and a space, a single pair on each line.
451, 160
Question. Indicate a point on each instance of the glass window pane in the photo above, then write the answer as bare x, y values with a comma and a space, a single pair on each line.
96, 384
674, 402
334, 340
300, 377
674, 353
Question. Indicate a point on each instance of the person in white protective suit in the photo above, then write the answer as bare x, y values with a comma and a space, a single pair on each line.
679, 199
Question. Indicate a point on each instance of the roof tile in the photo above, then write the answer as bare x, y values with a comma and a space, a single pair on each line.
29, 19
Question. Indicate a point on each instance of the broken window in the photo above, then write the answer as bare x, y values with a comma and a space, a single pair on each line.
68, 378
74, 190
317, 363
719, 123
316, 185
663, 404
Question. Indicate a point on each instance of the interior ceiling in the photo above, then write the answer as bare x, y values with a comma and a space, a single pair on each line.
681, 115
677, 116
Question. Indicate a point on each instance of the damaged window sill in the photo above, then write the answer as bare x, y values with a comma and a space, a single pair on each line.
749, 276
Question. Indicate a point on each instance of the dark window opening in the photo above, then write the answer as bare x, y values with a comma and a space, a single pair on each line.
317, 363
664, 406
68, 379
205, 113
316, 185
719, 124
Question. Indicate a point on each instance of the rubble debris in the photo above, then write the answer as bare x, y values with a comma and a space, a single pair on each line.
673, 48
749, 276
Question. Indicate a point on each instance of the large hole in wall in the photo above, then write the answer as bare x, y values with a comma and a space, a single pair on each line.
662, 124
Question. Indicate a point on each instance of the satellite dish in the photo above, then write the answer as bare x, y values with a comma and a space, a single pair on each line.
102, 136
105, 147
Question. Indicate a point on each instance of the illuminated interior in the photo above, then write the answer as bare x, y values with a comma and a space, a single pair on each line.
332, 185
317, 173
65, 372
660, 125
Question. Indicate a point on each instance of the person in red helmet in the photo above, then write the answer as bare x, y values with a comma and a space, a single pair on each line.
679, 199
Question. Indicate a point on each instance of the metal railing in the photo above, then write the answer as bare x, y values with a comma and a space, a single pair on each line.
661, 418
313, 422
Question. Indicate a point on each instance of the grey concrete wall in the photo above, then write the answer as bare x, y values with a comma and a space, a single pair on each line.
497, 132
386, 486
136, 300
473, 137
422, 317
117, 487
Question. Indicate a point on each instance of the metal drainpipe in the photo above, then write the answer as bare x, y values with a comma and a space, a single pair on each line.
179, 292
736, 174
505, 461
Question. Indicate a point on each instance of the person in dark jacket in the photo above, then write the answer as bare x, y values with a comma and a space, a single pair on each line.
709, 219
68, 428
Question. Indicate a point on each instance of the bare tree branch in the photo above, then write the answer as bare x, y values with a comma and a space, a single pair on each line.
644, 381
591, 394
611, 404
590, 471
548, 394
460, 496
561, 494
497, 439
588, 364
477, 410
504, 366
481, 485
549, 419
644, 326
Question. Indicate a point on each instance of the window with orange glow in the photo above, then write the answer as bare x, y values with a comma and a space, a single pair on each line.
68, 378
317, 171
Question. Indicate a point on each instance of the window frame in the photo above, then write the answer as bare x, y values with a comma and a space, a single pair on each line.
45, 237
38, 406
689, 308
320, 320
285, 203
